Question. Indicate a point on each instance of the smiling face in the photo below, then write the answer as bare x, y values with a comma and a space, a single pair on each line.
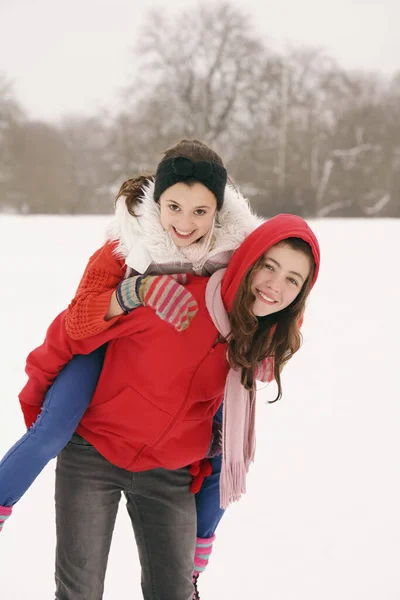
280, 280
187, 212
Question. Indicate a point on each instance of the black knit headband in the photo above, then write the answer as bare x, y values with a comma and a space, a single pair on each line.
181, 169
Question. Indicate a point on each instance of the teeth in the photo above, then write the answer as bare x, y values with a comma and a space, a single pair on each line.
184, 232
267, 298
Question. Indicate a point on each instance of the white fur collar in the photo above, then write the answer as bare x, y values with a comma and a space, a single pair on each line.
142, 240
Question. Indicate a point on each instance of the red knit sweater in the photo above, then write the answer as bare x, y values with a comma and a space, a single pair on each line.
86, 312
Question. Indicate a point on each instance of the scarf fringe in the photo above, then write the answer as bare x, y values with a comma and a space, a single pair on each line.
233, 483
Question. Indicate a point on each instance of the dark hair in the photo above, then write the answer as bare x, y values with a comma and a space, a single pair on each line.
278, 336
132, 189
193, 149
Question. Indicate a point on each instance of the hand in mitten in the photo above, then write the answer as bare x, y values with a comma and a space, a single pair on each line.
164, 293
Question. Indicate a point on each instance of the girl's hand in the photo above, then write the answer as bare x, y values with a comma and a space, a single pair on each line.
164, 293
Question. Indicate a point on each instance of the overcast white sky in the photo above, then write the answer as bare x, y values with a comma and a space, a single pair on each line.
73, 55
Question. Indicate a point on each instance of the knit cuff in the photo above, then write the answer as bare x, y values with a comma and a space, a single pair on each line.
127, 293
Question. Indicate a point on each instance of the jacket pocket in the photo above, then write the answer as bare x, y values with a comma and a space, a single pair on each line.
127, 415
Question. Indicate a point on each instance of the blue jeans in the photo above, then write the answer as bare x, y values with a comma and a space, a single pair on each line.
208, 508
64, 406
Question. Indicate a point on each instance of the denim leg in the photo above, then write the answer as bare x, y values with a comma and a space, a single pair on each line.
209, 513
64, 405
218, 414
88, 491
163, 515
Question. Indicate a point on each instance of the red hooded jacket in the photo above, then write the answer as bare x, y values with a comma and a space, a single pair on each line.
159, 388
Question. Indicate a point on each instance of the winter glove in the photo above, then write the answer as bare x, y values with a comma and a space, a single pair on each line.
164, 293
5, 512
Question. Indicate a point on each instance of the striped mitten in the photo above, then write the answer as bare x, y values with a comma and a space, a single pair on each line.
202, 553
164, 293
265, 370
5, 512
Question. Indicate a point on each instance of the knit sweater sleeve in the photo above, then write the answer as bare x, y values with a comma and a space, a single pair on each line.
86, 313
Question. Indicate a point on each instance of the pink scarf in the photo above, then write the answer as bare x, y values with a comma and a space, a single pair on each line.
238, 423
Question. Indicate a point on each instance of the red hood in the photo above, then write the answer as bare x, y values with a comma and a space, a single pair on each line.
259, 241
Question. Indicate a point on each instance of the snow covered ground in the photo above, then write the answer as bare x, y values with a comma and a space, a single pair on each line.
321, 516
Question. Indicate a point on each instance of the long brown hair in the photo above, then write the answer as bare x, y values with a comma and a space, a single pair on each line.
132, 189
276, 336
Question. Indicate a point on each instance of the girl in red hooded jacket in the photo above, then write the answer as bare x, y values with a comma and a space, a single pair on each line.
186, 219
152, 410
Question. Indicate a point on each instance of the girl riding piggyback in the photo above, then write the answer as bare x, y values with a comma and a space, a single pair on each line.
188, 219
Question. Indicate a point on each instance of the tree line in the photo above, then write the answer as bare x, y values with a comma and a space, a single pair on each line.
298, 132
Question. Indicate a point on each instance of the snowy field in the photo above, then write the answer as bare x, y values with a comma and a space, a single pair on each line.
321, 518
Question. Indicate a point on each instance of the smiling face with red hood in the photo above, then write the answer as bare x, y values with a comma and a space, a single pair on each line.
283, 269
278, 276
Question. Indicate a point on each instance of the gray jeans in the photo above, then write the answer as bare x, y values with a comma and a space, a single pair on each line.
163, 515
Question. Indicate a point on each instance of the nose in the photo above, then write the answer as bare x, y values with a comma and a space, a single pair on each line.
274, 282
185, 223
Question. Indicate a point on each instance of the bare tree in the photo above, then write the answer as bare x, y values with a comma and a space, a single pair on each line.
298, 133
202, 65
92, 162
11, 116
42, 179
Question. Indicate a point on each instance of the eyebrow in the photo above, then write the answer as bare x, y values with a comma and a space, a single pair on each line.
280, 266
180, 206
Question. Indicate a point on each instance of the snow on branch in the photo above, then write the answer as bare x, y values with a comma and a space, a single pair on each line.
351, 152
378, 206
326, 210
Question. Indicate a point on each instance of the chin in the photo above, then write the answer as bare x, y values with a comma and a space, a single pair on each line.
182, 243
263, 311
